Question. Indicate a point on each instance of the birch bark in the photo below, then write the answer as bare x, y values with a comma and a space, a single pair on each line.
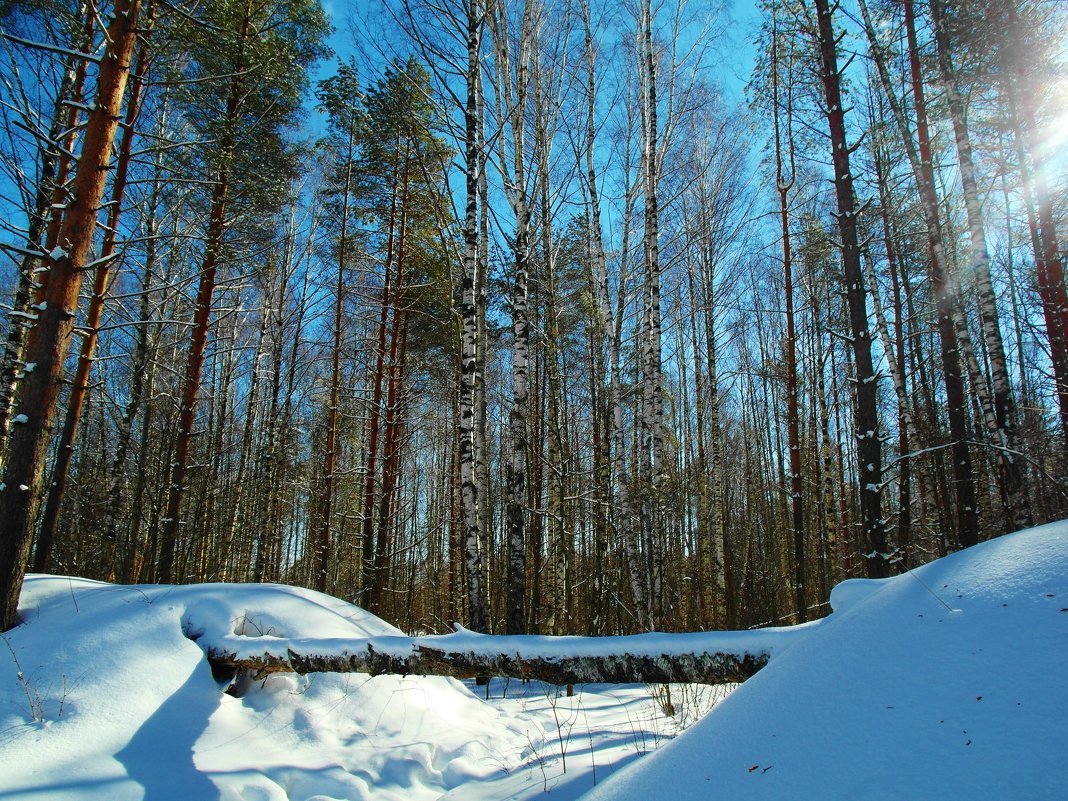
950, 322
469, 353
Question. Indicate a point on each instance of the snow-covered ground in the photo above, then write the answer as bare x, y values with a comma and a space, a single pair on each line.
104, 695
945, 683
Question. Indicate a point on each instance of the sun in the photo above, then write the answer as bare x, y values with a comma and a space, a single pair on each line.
1051, 144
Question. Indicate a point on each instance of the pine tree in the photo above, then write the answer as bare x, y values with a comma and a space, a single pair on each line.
25, 464
868, 436
255, 65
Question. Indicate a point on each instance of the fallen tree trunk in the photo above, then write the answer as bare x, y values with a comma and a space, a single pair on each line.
705, 657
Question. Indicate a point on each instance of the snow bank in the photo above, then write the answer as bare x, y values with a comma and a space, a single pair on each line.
944, 683
116, 702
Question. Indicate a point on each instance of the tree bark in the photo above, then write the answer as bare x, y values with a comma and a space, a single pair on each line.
946, 301
102, 280
600, 333
394, 381
895, 355
323, 549
793, 417
1017, 509
651, 461
512, 94
469, 353
202, 316
869, 442
24, 472
656, 658
374, 425
45, 217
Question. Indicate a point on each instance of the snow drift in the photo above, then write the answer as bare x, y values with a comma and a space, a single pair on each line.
103, 695
947, 682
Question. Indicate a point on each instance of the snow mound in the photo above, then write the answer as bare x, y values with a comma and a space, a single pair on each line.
103, 694
946, 682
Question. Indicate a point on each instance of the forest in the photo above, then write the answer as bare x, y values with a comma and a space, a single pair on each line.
509, 314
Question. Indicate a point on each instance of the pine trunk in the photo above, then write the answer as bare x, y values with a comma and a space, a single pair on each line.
950, 322
323, 545
392, 423
793, 417
367, 537
102, 279
24, 470
199, 341
866, 414
53, 171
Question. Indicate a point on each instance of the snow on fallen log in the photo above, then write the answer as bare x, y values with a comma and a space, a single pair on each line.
715, 657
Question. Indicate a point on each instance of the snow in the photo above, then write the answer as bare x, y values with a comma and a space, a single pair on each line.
118, 702
943, 683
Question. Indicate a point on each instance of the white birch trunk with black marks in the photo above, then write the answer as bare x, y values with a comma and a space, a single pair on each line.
469, 354
1003, 424
651, 462
512, 92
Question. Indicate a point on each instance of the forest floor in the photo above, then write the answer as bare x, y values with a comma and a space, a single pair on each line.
103, 694
946, 682
942, 683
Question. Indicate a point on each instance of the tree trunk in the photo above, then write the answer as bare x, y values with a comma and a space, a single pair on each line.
866, 422
394, 380
942, 287
705, 657
202, 318
65, 160
48, 203
793, 417
323, 545
651, 461
102, 279
1017, 510
1048, 264
469, 353
391, 461
512, 93
895, 354
24, 470
374, 425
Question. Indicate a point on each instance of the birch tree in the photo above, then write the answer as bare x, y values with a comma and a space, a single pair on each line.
513, 61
